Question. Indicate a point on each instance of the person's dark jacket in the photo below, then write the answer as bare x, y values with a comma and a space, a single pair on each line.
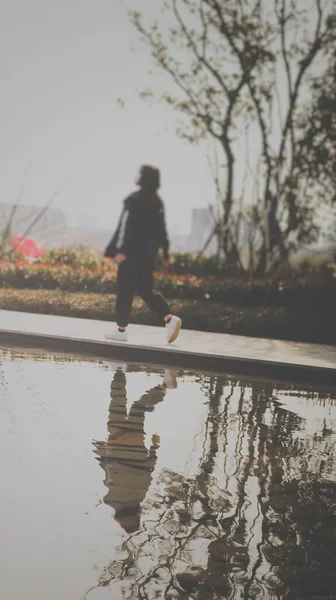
141, 231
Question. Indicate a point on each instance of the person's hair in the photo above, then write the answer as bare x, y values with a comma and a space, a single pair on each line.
149, 177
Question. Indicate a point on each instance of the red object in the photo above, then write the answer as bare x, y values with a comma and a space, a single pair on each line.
27, 247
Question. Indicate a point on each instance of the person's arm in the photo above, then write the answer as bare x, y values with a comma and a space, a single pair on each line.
128, 225
164, 240
123, 232
119, 242
111, 250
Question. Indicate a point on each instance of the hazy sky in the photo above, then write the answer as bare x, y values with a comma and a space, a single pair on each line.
63, 65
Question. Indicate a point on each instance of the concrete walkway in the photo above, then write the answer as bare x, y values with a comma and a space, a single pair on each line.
194, 349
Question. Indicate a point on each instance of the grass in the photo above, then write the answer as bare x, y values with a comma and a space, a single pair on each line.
288, 323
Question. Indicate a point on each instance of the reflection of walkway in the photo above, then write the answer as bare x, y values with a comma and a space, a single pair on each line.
127, 463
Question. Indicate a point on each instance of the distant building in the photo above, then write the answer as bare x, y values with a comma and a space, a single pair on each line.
202, 225
52, 229
43, 228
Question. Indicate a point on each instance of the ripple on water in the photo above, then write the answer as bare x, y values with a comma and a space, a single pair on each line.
120, 481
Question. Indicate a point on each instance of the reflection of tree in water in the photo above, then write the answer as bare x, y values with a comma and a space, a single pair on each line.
258, 520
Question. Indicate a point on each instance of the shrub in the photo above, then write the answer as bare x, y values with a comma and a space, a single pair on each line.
100, 277
71, 257
191, 263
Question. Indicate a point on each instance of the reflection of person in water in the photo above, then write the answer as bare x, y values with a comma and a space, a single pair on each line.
127, 463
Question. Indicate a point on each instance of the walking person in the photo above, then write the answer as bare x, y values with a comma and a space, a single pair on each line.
140, 234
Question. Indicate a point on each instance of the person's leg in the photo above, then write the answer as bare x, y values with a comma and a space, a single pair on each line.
125, 292
154, 301
157, 303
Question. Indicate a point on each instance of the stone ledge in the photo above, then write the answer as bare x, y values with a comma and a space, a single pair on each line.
236, 355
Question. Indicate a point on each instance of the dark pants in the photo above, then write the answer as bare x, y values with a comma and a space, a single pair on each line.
131, 275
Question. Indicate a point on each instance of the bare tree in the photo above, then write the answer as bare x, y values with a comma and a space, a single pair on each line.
23, 221
228, 61
213, 87
303, 34
8, 220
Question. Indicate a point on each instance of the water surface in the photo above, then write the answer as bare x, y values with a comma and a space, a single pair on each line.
118, 482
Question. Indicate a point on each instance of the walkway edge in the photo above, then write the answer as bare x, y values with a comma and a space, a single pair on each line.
175, 358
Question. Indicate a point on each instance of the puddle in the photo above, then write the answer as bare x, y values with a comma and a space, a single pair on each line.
125, 482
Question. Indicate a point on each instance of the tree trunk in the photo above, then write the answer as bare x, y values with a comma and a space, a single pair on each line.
228, 200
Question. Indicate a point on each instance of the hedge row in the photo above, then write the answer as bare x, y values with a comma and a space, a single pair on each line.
182, 263
102, 279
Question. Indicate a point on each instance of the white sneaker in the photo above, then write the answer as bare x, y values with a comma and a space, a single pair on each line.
173, 329
169, 379
117, 336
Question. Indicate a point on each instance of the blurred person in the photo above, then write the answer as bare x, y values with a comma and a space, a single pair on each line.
140, 234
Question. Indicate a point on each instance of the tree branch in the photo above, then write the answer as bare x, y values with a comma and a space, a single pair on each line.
305, 63
200, 57
282, 18
36, 219
156, 47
